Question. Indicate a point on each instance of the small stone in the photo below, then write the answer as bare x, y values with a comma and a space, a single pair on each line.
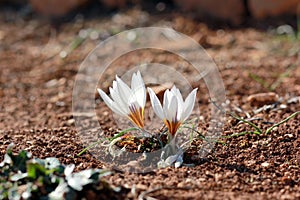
270, 8
294, 100
181, 184
283, 106
261, 99
71, 122
265, 164
289, 135
63, 54
56, 7
51, 83
231, 10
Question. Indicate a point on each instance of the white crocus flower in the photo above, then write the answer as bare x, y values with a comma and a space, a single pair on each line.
126, 101
175, 110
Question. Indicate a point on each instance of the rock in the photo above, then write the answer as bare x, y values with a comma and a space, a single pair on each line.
231, 10
265, 164
114, 3
270, 8
262, 99
56, 7
71, 122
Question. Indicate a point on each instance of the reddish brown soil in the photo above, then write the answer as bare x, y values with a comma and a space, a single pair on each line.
36, 101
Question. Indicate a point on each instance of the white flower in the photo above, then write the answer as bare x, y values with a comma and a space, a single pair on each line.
175, 160
174, 111
125, 101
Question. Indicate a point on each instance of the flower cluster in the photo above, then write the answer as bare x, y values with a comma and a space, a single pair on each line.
130, 103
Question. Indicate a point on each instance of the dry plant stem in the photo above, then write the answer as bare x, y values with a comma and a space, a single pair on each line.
283, 121
109, 139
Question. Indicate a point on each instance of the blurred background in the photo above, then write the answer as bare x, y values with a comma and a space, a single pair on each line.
233, 12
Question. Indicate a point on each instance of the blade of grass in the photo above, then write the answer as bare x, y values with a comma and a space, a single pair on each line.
238, 118
259, 80
241, 134
281, 77
109, 139
246, 122
283, 121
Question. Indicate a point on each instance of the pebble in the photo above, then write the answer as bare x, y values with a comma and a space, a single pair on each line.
289, 135
265, 164
71, 122
261, 99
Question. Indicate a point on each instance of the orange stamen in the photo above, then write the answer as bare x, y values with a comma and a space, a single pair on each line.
137, 116
172, 126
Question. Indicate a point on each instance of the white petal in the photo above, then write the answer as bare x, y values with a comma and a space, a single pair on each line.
115, 84
180, 101
170, 105
189, 104
171, 159
166, 103
110, 103
118, 98
138, 89
156, 105
114, 93
173, 109
124, 92
177, 94
178, 162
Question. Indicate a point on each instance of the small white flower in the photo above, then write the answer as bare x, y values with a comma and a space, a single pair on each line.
126, 101
174, 111
176, 160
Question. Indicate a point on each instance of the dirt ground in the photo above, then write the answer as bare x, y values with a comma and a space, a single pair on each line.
39, 62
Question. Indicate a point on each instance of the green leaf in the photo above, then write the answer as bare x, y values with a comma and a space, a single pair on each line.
20, 160
22, 178
34, 170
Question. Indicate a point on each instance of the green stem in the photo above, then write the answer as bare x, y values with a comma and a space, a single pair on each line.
200, 134
109, 139
238, 118
283, 121
241, 134
247, 122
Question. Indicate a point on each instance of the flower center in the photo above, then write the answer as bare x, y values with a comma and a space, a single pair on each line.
172, 126
136, 115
